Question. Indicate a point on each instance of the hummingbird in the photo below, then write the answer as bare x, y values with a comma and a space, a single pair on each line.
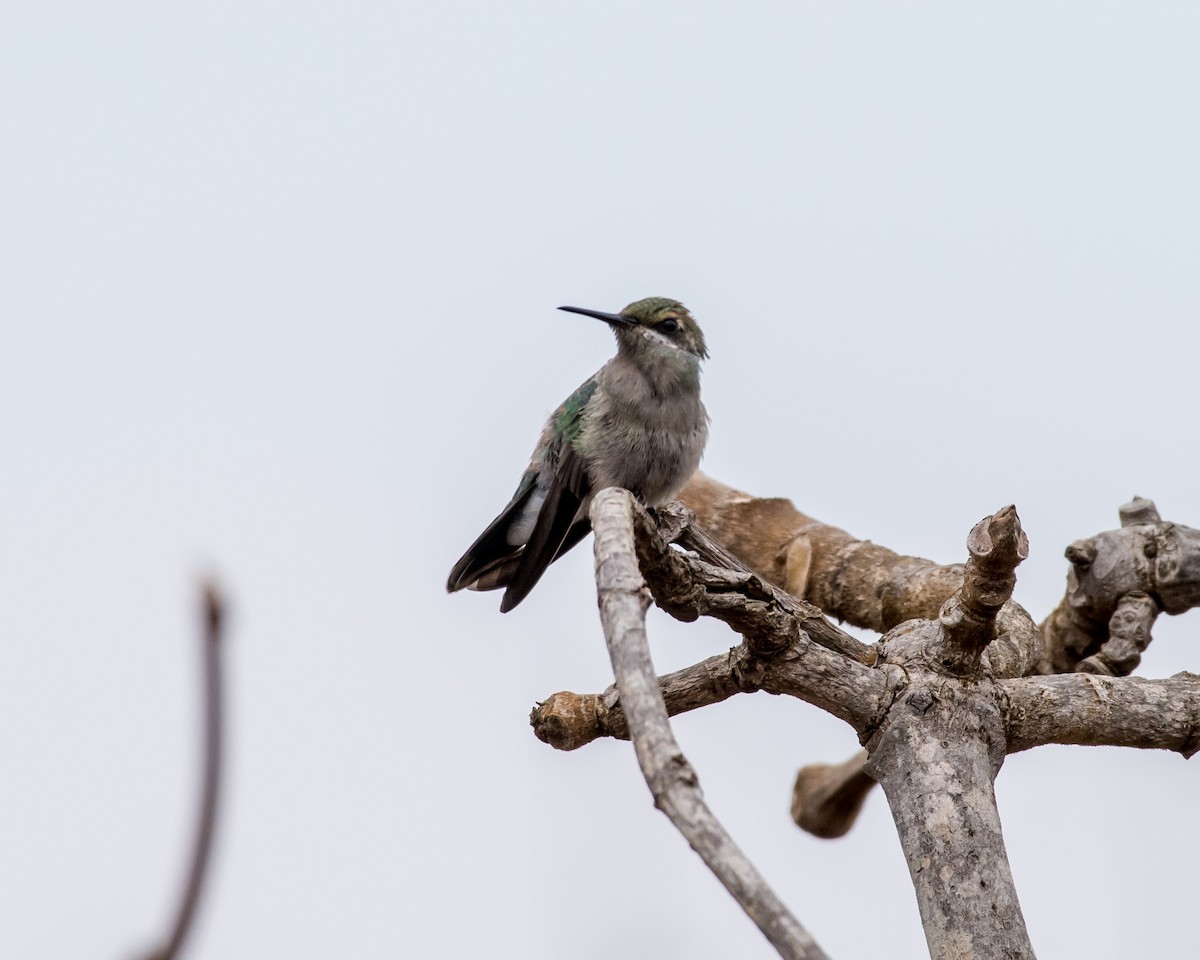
637, 423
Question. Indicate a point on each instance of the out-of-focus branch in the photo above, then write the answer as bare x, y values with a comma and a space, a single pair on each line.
213, 615
827, 798
672, 781
1104, 711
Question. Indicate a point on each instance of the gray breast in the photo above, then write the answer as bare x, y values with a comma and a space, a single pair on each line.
648, 443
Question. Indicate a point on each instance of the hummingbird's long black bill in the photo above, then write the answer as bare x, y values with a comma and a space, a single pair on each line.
614, 318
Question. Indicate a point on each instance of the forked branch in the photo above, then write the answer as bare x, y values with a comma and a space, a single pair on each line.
787, 646
672, 781
938, 702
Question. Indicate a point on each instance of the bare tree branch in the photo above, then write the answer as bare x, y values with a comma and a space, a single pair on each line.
936, 759
1104, 711
213, 615
788, 647
1128, 637
1119, 581
718, 584
568, 720
938, 752
996, 545
852, 580
827, 798
870, 586
672, 781
850, 691
939, 701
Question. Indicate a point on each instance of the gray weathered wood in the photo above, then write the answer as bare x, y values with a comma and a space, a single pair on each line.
939, 749
1119, 581
1104, 711
938, 702
787, 648
936, 760
623, 600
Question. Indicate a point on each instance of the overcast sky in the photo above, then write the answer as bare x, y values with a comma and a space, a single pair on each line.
277, 303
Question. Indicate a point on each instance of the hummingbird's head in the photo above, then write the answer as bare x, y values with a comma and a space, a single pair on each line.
654, 321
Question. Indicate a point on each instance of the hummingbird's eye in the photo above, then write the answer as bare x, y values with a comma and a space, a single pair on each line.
670, 325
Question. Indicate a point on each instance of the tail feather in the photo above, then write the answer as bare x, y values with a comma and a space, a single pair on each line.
496, 574
500, 572
555, 522
490, 548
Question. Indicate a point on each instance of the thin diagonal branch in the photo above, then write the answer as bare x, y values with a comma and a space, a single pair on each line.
672, 781
211, 642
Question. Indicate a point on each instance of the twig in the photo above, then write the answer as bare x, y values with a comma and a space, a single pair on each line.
568, 720
211, 641
672, 781
996, 545
805, 670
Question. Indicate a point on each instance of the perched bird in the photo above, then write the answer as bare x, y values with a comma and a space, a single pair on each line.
638, 423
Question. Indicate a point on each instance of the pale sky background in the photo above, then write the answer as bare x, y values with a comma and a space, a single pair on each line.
277, 302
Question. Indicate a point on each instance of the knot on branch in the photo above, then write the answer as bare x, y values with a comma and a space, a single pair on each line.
1118, 583
747, 671
568, 720
673, 772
